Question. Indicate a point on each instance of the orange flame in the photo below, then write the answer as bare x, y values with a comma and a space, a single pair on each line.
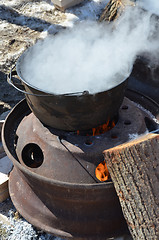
103, 128
101, 172
98, 130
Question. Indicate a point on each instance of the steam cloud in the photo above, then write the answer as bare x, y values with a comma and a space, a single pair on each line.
91, 56
152, 6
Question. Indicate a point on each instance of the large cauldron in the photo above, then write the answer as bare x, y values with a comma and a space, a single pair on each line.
73, 111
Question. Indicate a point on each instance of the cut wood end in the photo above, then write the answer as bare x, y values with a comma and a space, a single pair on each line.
141, 139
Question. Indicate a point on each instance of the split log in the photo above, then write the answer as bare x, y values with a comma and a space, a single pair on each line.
114, 9
134, 169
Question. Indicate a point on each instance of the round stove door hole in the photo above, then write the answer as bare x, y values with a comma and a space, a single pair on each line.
88, 142
32, 155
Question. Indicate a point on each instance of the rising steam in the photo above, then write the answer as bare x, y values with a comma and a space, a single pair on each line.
91, 56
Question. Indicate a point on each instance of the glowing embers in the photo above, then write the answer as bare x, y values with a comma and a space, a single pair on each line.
100, 129
101, 172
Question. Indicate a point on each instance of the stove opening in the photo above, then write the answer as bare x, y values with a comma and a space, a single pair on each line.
88, 142
32, 155
101, 172
101, 129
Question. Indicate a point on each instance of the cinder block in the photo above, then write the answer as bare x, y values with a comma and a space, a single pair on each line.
63, 4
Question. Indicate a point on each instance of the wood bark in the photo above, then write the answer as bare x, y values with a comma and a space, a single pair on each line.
134, 169
114, 9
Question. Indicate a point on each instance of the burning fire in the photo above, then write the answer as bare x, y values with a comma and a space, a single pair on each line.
102, 172
98, 130
103, 128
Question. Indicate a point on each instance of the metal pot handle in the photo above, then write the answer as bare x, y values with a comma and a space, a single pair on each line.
17, 86
10, 80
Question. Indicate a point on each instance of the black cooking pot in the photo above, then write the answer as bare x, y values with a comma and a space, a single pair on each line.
72, 111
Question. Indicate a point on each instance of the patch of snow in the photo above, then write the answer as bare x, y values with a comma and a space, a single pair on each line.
5, 165
70, 20
133, 136
88, 10
53, 29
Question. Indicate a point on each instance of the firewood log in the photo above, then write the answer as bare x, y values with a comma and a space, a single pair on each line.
134, 170
114, 9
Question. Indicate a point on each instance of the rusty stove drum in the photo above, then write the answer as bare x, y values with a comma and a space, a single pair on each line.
53, 183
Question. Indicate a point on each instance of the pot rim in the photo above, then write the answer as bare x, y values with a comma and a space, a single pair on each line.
84, 92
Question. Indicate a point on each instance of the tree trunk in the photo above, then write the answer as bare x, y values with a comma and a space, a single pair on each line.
134, 169
114, 9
